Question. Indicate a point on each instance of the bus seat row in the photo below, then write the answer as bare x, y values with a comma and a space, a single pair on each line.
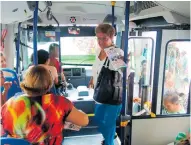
15, 87
13, 141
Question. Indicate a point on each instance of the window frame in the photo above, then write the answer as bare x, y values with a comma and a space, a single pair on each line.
165, 57
152, 63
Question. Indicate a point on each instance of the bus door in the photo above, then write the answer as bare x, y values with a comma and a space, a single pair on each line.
169, 71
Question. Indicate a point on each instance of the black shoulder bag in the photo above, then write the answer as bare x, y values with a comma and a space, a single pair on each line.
108, 89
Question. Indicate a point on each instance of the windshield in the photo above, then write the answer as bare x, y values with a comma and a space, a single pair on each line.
74, 50
78, 50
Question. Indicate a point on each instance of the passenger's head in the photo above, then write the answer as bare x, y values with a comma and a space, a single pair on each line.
2, 78
3, 63
37, 81
54, 50
105, 34
43, 57
144, 64
172, 102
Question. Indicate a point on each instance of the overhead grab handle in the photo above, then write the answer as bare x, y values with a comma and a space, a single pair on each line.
113, 3
113, 17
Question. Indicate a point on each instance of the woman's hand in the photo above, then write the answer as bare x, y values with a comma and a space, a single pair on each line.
91, 85
7, 86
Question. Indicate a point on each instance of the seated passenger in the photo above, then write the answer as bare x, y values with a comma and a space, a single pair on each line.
4, 88
172, 104
37, 116
54, 54
3, 60
43, 60
3, 64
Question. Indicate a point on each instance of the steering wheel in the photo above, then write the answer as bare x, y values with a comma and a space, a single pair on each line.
62, 87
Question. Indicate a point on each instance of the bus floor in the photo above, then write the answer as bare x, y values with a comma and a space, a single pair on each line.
85, 137
95, 139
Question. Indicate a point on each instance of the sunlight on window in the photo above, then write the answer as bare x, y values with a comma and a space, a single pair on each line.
74, 50
78, 50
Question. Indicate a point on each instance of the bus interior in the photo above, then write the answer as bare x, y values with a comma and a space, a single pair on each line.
158, 43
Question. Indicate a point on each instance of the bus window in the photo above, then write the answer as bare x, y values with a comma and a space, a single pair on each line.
78, 50
177, 77
141, 50
74, 50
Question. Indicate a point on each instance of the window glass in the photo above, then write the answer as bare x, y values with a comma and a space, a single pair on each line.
78, 50
74, 50
177, 77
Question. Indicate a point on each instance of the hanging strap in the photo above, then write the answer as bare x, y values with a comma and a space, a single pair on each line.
3, 35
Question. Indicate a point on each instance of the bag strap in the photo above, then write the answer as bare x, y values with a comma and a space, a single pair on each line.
106, 61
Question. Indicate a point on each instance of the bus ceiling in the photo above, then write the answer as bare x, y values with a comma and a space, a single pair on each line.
95, 12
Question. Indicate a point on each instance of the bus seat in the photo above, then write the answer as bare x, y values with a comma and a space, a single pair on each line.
13, 141
53, 90
15, 87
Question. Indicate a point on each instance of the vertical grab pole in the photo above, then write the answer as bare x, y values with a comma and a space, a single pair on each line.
123, 111
17, 49
35, 58
59, 45
113, 12
189, 96
125, 55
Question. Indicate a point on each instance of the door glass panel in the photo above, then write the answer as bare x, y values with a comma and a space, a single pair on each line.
177, 77
140, 49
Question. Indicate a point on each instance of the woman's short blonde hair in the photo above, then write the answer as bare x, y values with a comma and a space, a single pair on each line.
106, 29
37, 81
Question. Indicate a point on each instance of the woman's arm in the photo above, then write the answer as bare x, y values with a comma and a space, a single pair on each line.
91, 83
54, 74
63, 76
78, 117
3, 97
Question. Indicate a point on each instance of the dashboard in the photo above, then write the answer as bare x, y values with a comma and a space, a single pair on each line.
74, 72
78, 76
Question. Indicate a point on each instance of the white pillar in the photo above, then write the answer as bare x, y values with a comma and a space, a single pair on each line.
9, 49
25, 50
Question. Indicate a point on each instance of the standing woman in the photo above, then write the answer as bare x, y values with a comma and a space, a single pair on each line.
105, 114
54, 54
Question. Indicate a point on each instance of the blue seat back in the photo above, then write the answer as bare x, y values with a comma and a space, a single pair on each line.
13, 141
53, 90
15, 87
